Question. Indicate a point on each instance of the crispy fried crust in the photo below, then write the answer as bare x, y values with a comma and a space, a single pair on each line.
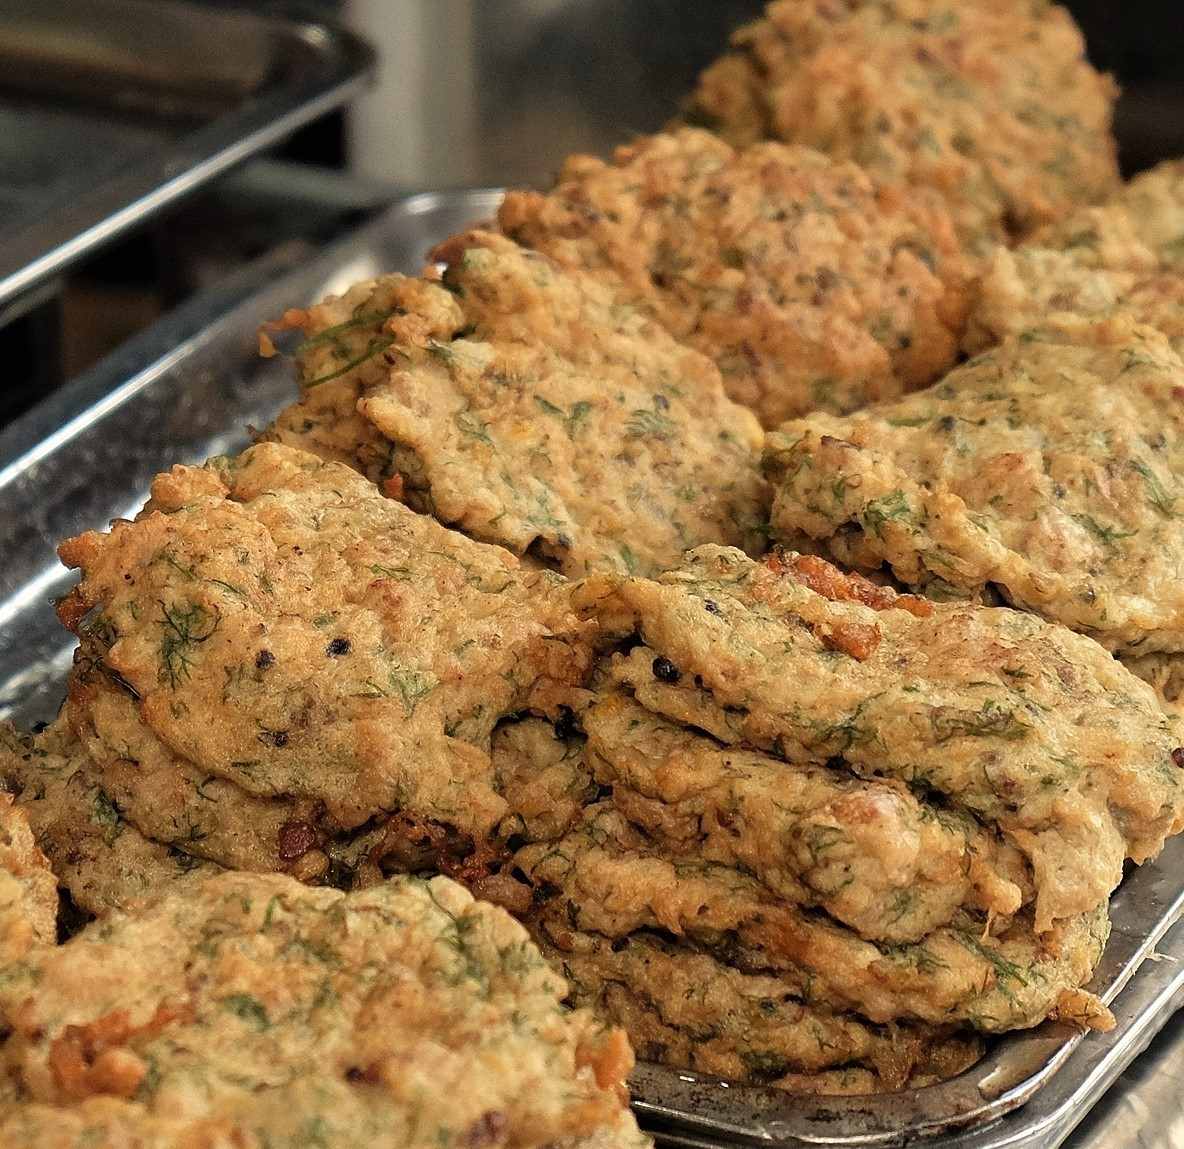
606, 879
532, 408
97, 854
685, 1008
808, 285
275, 655
1022, 724
993, 105
252, 1011
28, 890
1022, 290
875, 857
540, 770
1043, 468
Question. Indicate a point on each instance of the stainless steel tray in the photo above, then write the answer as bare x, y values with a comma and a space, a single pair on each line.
189, 388
111, 109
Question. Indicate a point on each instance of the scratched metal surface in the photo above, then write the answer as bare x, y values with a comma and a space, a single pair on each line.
192, 386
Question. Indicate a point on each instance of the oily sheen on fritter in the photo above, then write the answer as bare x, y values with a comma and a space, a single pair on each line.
1035, 731
1044, 469
992, 104
808, 284
530, 407
275, 655
250, 1011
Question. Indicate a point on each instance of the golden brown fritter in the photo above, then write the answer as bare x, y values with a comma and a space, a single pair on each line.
1044, 468
97, 854
1025, 288
1025, 725
993, 105
28, 890
540, 771
810, 286
251, 1011
870, 853
685, 1008
530, 407
1139, 229
995, 975
275, 654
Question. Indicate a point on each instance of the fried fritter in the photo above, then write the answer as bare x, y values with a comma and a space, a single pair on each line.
870, 853
1139, 229
605, 878
530, 407
103, 860
685, 1008
1044, 468
275, 639
251, 1011
993, 105
1154, 203
1023, 289
542, 774
28, 890
808, 285
1027, 726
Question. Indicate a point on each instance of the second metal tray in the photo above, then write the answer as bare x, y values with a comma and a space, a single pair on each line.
190, 387
111, 109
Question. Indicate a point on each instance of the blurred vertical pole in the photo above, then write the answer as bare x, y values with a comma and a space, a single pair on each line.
417, 127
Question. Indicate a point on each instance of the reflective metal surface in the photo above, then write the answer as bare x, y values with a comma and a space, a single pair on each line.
111, 109
1142, 1110
190, 387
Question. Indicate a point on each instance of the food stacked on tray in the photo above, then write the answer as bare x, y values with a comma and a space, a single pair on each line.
657, 567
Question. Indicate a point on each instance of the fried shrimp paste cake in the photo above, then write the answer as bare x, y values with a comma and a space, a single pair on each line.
1030, 286
605, 879
251, 1011
1044, 469
1139, 228
871, 853
530, 407
683, 1007
1123, 257
275, 640
992, 104
28, 891
1031, 729
809, 285
97, 854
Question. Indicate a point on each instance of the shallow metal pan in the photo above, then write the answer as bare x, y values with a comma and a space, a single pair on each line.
190, 387
112, 109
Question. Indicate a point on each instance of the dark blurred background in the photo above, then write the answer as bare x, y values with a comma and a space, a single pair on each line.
471, 92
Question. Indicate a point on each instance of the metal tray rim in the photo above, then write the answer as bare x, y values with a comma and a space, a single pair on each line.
112, 206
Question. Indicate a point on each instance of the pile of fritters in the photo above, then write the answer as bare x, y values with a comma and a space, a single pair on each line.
520, 591
989, 103
254, 1012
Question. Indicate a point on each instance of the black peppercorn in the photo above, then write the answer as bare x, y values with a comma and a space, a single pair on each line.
665, 670
338, 647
